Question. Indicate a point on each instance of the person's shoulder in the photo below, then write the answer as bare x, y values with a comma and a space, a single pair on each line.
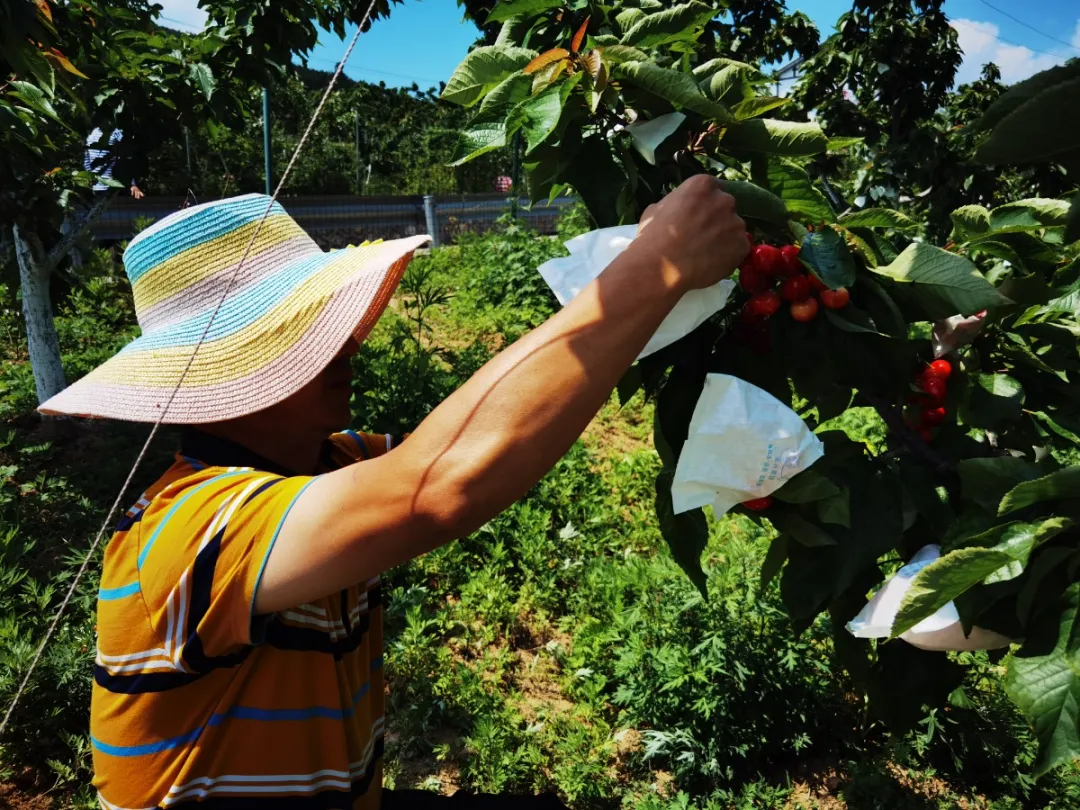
192, 485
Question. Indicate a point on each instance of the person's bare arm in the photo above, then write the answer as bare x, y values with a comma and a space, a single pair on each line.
494, 438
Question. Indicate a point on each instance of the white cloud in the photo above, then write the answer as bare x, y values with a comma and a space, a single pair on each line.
980, 44
182, 14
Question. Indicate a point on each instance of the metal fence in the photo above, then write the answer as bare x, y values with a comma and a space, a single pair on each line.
338, 221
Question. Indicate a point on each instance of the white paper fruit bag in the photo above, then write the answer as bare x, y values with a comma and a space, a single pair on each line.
743, 444
592, 252
941, 631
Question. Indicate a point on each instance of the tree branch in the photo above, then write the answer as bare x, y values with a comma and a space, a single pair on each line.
63, 247
913, 442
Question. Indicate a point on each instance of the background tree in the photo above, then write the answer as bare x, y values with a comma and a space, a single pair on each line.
883, 77
70, 68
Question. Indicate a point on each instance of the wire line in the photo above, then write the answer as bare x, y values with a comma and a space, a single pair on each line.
1031, 27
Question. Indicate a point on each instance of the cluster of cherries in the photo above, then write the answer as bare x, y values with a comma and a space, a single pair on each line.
765, 267
928, 408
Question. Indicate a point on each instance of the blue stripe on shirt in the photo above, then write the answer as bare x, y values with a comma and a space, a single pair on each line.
112, 594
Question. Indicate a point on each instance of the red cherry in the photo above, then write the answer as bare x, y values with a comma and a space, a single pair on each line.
767, 259
796, 288
933, 417
765, 304
817, 285
941, 369
835, 299
805, 311
759, 504
789, 255
935, 389
752, 281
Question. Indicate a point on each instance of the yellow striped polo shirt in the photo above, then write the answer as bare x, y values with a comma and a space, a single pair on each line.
197, 700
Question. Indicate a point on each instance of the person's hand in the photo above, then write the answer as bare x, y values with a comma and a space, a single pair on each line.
696, 232
136, 192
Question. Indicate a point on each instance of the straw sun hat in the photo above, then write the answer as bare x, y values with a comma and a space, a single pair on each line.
287, 313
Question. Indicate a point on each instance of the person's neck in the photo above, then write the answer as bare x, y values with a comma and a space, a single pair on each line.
296, 450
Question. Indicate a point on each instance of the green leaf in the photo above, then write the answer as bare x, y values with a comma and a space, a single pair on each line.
835, 510
826, 252
203, 78
992, 401
838, 143
1046, 687
790, 138
775, 558
969, 222
759, 105
790, 182
794, 525
513, 90
1067, 304
598, 180
1023, 92
1031, 214
755, 202
944, 284
632, 382
537, 117
1038, 131
478, 140
482, 71
961, 569
1052, 425
686, 534
878, 218
807, 487
682, 23
674, 86
617, 54
721, 86
1060, 485
713, 66
1072, 223
34, 97
984, 481
505, 9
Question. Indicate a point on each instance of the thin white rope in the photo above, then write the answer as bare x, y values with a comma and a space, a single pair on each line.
164, 412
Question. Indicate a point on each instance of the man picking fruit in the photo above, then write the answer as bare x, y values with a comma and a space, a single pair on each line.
239, 660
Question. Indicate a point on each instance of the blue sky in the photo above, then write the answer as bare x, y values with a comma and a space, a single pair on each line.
424, 40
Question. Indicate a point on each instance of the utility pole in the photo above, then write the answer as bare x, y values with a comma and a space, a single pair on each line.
515, 174
357, 132
267, 160
187, 152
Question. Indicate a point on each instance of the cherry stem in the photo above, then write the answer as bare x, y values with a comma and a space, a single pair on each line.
919, 449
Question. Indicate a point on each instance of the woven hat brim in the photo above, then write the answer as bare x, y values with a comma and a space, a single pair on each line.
251, 367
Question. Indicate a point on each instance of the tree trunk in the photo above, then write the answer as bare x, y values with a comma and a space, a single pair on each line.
43, 344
